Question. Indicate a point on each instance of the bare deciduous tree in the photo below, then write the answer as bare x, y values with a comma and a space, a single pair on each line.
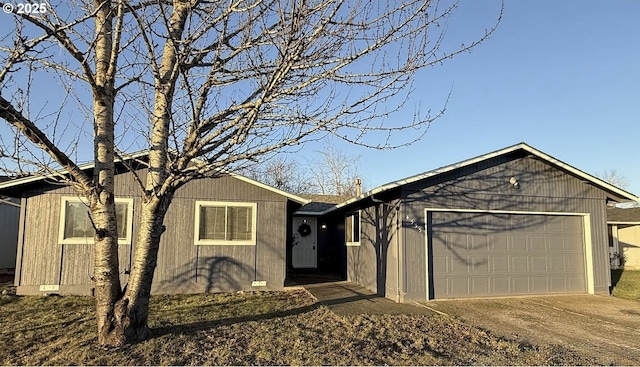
331, 172
334, 173
280, 172
202, 86
614, 178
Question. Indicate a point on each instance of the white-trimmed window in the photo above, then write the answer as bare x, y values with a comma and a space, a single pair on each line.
76, 227
352, 229
225, 223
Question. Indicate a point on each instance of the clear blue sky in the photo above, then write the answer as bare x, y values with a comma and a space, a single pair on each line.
562, 76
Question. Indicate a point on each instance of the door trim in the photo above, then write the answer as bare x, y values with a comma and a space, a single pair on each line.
586, 230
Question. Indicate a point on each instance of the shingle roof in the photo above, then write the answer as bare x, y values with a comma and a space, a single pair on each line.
623, 215
320, 203
321, 198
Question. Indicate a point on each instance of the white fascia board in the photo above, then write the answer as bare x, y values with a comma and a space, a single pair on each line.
293, 197
484, 157
29, 179
603, 184
428, 174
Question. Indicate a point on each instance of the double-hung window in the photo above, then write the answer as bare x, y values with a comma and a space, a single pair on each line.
225, 223
76, 227
352, 229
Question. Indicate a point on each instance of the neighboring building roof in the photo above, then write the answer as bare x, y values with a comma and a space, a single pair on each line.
521, 146
623, 215
59, 174
322, 198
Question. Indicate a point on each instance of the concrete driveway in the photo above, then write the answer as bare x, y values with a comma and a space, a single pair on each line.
602, 327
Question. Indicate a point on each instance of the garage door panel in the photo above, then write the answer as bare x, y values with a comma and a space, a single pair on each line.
537, 243
518, 243
557, 264
498, 243
480, 285
458, 265
572, 225
506, 254
500, 264
554, 224
478, 242
519, 285
538, 284
538, 264
459, 286
556, 243
479, 264
499, 284
572, 266
440, 264
456, 241
576, 281
519, 264
557, 284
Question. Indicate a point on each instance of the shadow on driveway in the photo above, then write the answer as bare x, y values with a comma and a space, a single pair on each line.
349, 299
603, 327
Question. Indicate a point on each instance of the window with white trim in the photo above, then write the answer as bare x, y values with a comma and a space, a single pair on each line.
225, 223
352, 229
76, 227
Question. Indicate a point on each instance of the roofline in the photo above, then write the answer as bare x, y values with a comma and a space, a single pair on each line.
621, 222
580, 173
293, 197
82, 167
484, 157
30, 179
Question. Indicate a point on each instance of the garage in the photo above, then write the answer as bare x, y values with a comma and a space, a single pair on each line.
512, 222
480, 253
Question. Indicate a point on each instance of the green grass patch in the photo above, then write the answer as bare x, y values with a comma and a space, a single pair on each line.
263, 328
626, 284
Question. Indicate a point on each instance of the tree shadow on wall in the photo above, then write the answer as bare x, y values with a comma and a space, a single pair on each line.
492, 192
209, 274
382, 218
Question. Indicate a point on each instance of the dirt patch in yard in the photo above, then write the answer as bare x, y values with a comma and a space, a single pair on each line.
603, 328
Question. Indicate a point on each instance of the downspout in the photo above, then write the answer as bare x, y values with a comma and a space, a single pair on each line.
398, 253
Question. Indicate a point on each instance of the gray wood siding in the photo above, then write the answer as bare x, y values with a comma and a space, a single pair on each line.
362, 265
46, 262
220, 267
374, 264
41, 253
182, 266
485, 186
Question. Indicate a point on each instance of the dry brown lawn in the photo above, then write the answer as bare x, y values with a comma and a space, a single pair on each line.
265, 328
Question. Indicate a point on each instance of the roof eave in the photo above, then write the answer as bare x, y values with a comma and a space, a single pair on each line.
598, 182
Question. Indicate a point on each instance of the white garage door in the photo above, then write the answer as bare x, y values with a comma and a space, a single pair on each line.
486, 254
